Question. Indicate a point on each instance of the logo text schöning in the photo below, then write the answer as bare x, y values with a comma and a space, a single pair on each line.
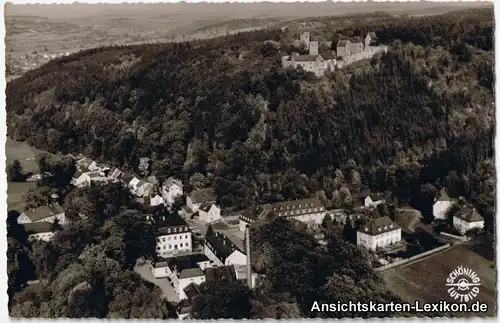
463, 284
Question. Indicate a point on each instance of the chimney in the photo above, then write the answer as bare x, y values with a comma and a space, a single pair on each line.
249, 267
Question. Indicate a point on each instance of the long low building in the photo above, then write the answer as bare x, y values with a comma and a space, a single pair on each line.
309, 211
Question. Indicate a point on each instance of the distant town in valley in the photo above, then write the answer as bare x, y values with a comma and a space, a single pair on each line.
249, 168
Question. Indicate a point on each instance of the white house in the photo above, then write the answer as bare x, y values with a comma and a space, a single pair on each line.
133, 184
441, 206
174, 236
85, 179
374, 200
93, 166
46, 213
182, 270
378, 233
156, 200
39, 230
223, 251
171, 189
196, 198
467, 219
209, 212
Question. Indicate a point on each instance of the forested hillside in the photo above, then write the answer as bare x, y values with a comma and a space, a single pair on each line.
411, 121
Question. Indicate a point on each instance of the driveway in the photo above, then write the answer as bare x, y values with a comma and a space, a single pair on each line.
163, 283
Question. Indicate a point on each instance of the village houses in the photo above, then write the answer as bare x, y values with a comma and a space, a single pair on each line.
182, 270
171, 189
45, 213
441, 206
196, 198
467, 219
378, 233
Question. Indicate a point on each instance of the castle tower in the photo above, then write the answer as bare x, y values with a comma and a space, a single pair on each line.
313, 48
305, 37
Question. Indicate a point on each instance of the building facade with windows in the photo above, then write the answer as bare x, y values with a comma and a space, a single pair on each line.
378, 233
173, 238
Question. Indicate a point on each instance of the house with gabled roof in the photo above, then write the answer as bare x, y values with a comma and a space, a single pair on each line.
343, 47
467, 219
252, 215
174, 235
43, 231
222, 250
171, 189
442, 203
374, 200
115, 174
371, 39
45, 213
378, 233
209, 212
196, 198
182, 270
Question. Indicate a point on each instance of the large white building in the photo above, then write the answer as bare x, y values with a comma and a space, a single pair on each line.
174, 236
209, 212
45, 213
441, 206
39, 230
171, 189
309, 211
182, 270
378, 233
223, 251
467, 219
196, 198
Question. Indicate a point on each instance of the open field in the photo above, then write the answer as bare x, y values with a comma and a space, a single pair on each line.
425, 280
26, 156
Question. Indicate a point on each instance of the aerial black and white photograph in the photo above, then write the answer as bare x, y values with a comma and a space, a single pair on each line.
259, 160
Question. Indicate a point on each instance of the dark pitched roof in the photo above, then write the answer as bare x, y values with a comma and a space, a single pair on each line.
43, 212
443, 196
187, 262
203, 195
306, 58
377, 197
328, 55
171, 224
77, 174
220, 245
253, 213
342, 43
364, 194
304, 205
126, 177
378, 226
216, 274
38, 227
189, 273
192, 291
205, 206
469, 215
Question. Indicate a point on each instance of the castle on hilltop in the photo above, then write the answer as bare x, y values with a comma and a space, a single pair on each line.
348, 51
